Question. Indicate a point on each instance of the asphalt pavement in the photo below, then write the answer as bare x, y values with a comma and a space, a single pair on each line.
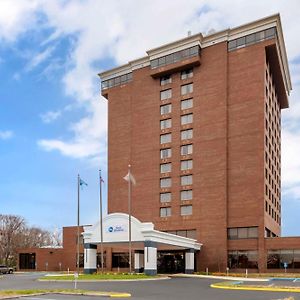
175, 288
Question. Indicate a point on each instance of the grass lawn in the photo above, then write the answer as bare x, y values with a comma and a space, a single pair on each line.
7, 293
105, 276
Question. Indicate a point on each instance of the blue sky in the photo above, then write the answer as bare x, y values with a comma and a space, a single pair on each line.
52, 117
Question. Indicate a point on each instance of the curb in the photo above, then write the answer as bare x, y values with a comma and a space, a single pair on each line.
104, 280
104, 294
257, 288
220, 277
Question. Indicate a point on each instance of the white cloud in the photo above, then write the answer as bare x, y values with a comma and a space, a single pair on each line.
6, 134
124, 30
39, 58
17, 17
89, 139
50, 116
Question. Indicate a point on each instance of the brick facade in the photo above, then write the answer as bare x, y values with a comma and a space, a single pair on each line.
239, 88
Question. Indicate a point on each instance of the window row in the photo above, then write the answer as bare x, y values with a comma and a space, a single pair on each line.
185, 104
184, 134
252, 39
167, 79
272, 212
185, 119
184, 165
185, 89
242, 233
184, 180
278, 259
116, 81
184, 196
184, 150
175, 57
185, 210
189, 233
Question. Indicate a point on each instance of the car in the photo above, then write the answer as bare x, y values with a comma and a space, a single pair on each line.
6, 270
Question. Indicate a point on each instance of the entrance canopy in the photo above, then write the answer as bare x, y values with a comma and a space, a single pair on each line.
115, 232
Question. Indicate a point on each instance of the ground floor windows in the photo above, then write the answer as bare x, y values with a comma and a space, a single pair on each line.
27, 261
279, 259
81, 260
99, 259
120, 260
242, 259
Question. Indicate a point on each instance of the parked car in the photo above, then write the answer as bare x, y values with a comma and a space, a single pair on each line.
6, 270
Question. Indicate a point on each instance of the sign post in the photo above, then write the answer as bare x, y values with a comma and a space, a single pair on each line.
75, 280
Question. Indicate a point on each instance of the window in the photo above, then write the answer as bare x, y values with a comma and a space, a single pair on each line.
252, 38
116, 81
165, 138
242, 259
187, 74
273, 259
186, 210
174, 57
186, 149
166, 94
165, 182
190, 233
242, 233
187, 134
186, 165
186, 195
165, 109
165, 197
186, 119
165, 80
186, 89
165, 153
186, 104
186, 180
165, 168
99, 259
120, 260
164, 124
165, 211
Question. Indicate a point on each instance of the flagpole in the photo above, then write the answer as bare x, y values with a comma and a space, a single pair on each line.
129, 215
78, 207
101, 222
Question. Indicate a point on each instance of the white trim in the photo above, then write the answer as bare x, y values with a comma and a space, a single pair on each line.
141, 232
209, 40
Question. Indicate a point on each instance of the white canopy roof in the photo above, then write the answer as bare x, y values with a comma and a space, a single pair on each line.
115, 231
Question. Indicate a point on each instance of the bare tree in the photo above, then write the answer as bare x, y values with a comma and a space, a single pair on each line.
11, 228
14, 234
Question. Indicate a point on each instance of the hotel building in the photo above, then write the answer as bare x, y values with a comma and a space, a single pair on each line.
199, 121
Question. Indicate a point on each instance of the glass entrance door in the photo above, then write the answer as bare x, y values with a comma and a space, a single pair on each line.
170, 261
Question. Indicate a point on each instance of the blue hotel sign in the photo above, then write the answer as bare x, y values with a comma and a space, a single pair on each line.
116, 228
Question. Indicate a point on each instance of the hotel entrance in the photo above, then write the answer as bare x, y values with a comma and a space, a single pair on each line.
154, 251
169, 262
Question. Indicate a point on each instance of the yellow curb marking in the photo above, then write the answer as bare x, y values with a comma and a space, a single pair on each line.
122, 295
266, 289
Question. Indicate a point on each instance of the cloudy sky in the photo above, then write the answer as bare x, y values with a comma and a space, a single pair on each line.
52, 117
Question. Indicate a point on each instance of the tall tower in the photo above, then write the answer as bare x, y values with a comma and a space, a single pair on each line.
199, 121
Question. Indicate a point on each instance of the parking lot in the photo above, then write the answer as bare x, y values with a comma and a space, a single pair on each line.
175, 288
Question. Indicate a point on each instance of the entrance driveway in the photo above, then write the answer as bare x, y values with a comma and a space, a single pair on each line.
175, 288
